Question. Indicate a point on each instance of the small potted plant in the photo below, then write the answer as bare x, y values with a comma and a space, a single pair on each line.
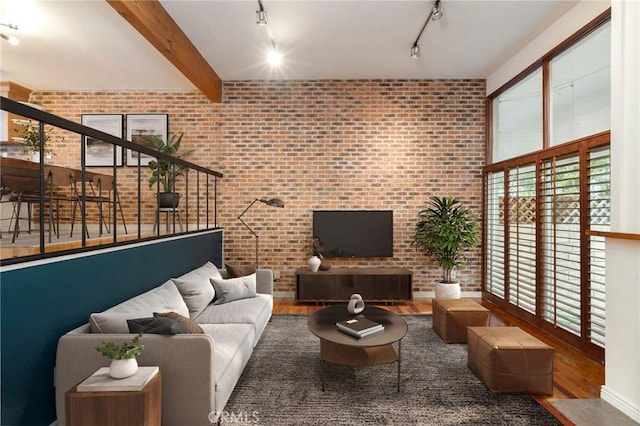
164, 171
31, 138
124, 363
446, 231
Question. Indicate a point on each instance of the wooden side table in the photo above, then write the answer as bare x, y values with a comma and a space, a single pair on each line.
138, 408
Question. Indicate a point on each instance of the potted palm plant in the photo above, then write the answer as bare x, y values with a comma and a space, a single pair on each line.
445, 231
164, 171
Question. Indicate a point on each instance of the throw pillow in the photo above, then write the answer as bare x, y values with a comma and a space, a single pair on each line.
190, 324
196, 289
234, 288
239, 271
156, 325
111, 322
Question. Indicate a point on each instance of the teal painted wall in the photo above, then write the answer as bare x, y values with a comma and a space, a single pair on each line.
38, 304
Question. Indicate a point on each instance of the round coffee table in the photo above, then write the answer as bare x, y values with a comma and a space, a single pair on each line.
339, 348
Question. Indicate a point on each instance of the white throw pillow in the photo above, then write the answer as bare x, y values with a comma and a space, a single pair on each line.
196, 288
234, 288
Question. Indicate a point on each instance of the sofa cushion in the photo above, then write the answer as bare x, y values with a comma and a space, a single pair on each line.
190, 324
164, 298
156, 325
234, 288
233, 347
236, 271
111, 322
196, 289
244, 311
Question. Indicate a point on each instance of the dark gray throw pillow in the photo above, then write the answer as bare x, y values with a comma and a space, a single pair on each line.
156, 325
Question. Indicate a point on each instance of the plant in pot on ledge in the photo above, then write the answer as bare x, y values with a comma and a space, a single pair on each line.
31, 138
164, 171
124, 363
446, 230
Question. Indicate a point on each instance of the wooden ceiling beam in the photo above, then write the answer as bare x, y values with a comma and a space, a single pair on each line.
153, 22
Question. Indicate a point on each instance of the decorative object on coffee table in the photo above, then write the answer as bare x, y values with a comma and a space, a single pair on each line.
124, 363
273, 202
356, 304
445, 231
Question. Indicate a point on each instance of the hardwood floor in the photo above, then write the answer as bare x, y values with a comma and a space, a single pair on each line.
575, 376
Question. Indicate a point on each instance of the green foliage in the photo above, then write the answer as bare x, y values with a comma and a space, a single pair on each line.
124, 351
31, 136
164, 171
445, 231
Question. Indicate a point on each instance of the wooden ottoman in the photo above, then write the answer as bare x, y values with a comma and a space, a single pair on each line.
508, 359
451, 317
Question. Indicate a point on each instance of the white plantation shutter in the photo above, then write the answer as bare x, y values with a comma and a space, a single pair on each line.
495, 242
560, 217
522, 237
599, 184
539, 256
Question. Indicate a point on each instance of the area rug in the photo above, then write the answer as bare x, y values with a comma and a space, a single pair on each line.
281, 385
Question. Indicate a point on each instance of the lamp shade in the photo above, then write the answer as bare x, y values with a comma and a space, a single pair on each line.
273, 202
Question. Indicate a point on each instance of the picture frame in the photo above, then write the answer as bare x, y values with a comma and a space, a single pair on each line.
99, 153
145, 124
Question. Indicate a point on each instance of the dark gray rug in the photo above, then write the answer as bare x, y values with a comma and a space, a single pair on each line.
281, 385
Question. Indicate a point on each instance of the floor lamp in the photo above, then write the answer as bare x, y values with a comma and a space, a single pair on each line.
273, 202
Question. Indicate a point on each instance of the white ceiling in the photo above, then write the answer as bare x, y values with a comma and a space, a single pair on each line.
86, 45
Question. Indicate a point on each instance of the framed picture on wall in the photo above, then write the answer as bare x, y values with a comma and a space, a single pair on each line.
100, 153
139, 125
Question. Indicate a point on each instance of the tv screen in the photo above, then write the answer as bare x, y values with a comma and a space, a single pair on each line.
354, 233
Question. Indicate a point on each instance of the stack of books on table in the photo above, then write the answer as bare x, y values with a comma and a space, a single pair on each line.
359, 327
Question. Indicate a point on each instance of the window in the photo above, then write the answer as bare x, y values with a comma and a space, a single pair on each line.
581, 88
546, 189
517, 119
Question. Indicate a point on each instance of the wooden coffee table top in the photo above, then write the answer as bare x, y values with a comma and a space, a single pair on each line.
322, 323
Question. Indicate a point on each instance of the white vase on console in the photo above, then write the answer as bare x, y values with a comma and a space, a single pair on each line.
314, 263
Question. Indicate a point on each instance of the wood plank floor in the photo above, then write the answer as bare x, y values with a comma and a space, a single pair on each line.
575, 376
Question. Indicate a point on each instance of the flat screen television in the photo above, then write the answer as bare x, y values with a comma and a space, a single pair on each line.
354, 233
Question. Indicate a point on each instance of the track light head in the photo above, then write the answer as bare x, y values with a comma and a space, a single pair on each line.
415, 51
436, 12
261, 15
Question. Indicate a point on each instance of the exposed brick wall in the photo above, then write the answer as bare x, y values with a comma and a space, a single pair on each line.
362, 144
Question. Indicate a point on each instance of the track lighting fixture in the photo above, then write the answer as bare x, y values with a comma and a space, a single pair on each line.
434, 14
273, 56
261, 15
11, 39
415, 51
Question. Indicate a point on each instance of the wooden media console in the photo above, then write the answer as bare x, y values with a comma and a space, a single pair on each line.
338, 284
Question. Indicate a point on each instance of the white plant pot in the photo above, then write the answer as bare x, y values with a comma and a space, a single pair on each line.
314, 263
447, 291
123, 368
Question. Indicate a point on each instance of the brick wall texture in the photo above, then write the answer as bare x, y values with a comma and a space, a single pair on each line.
382, 144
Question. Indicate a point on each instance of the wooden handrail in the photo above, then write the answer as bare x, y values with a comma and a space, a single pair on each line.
619, 235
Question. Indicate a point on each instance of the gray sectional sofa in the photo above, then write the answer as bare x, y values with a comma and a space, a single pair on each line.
199, 371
